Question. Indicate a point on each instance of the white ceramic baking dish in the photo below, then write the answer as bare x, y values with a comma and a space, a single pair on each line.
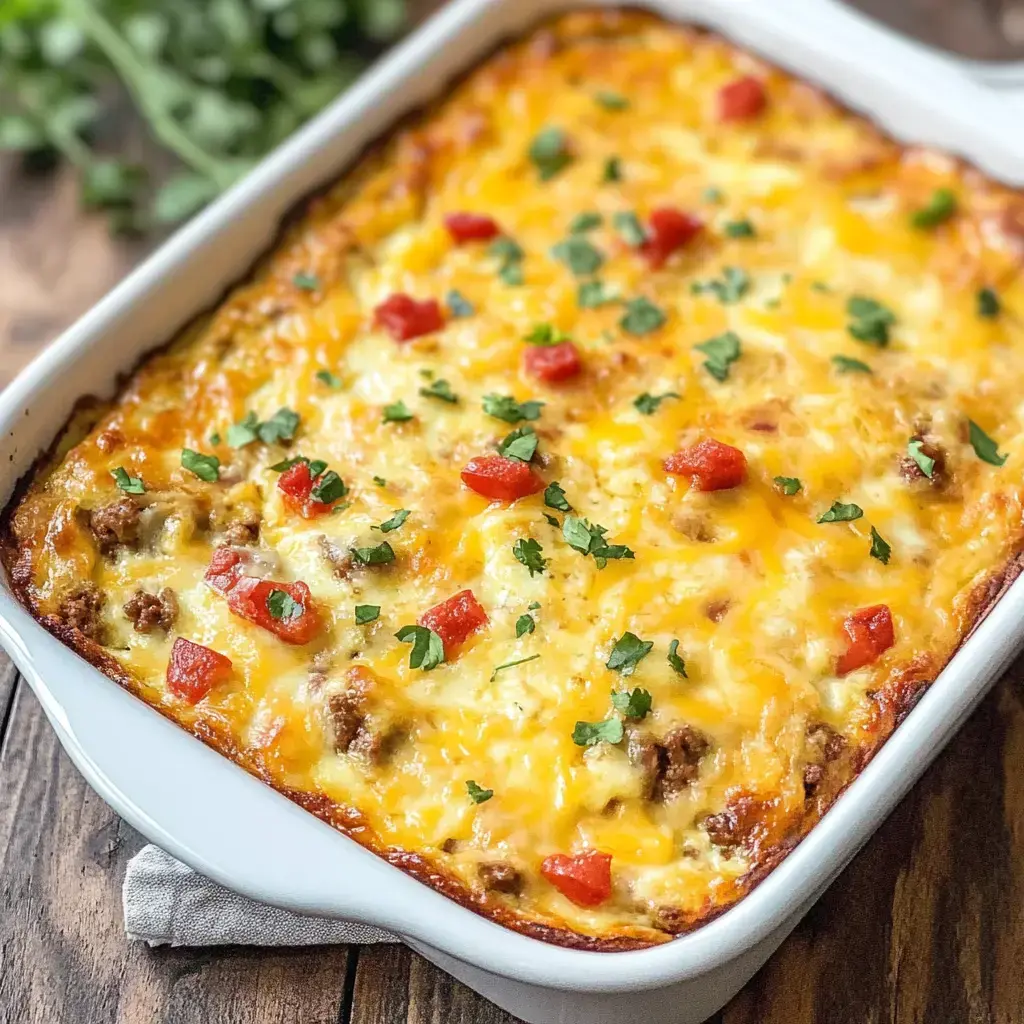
206, 811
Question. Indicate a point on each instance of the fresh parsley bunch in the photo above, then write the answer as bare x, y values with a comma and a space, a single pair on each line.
217, 83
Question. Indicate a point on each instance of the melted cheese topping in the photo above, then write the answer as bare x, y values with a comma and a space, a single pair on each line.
751, 585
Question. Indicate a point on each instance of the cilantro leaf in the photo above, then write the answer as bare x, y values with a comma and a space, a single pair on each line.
989, 305
584, 222
633, 705
545, 334
549, 153
586, 734
641, 317
400, 515
521, 444
510, 256
512, 664
427, 647
240, 434
846, 364
283, 606
380, 481
712, 195
396, 412
531, 554
628, 225
729, 289
328, 487
280, 427
458, 305
611, 100
588, 539
612, 170
789, 485
203, 466
379, 555
840, 513
924, 462
554, 497
478, 794
592, 294
332, 380
675, 661
739, 229
870, 320
442, 390
307, 282
627, 653
722, 351
879, 548
505, 407
578, 255
984, 446
648, 403
525, 624
128, 484
366, 613
941, 206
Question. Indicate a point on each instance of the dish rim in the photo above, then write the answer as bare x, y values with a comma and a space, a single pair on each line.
970, 667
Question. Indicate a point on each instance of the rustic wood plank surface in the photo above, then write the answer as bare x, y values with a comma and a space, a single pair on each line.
926, 925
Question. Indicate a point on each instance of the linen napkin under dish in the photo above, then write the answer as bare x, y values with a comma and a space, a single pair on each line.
167, 903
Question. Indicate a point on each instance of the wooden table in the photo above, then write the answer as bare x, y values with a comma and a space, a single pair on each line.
926, 925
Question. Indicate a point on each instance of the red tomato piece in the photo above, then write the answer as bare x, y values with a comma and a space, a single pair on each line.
224, 569
584, 878
500, 478
710, 465
871, 634
553, 363
670, 229
455, 619
296, 484
405, 318
194, 670
742, 100
471, 227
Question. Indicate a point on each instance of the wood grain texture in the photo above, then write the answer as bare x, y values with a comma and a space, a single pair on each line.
926, 926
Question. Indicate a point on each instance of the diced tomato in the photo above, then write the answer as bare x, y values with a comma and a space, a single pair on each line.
500, 478
742, 99
584, 878
471, 227
710, 465
194, 670
670, 229
405, 318
296, 484
249, 598
455, 619
553, 363
871, 634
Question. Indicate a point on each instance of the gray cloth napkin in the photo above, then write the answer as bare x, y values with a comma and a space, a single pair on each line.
167, 903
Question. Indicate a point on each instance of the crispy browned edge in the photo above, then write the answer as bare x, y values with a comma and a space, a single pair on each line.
892, 704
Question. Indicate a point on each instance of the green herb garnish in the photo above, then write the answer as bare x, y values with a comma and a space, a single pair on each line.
545, 334
549, 153
879, 548
586, 734
789, 485
506, 408
612, 170
984, 447
458, 305
940, 208
924, 462
641, 317
427, 647
328, 487
528, 552
521, 444
396, 412
739, 229
870, 320
675, 661
588, 539
128, 484
478, 794
846, 364
648, 403
840, 513
379, 555
525, 624
332, 380
592, 294
283, 606
554, 497
721, 351
397, 519
989, 305
729, 289
628, 225
584, 222
627, 653
578, 255
611, 100
307, 282
203, 466
632, 705
441, 390
512, 664
367, 613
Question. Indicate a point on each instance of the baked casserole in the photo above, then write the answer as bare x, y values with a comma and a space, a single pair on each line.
583, 490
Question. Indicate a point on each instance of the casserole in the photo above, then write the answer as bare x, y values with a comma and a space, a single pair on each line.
150, 802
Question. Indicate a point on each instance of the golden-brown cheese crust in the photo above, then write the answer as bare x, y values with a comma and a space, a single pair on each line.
752, 584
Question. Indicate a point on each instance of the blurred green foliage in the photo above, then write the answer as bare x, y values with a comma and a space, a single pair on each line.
218, 83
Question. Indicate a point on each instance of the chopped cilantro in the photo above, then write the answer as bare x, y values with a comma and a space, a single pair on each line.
712, 195
458, 305
128, 484
586, 734
632, 705
984, 446
592, 294
552, 521
584, 222
870, 320
243, 433
521, 444
549, 153
846, 364
478, 794
307, 282
396, 412
721, 351
329, 487
589, 539
989, 305
400, 515
367, 613
215, 438
380, 481
203, 466
627, 653
545, 334
641, 317
879, 548
840, 513
612, 170
648, 403
789, 485
530, 554
611, 100
332, 380
427, 647
578, 255
512, 664
924, 462
525, 624
554, 497
729, 289
510, 255
941, 206
505, 407
379, 555
675, 661
628, 225
282, 605
442, 390
739, 229
280, 427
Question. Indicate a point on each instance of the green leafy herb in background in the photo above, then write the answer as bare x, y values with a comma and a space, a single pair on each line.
217, 83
